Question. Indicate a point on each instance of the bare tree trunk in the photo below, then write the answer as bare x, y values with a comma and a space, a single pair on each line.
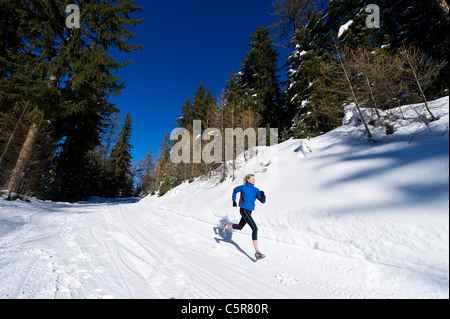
371, 95
398, 103
419, 69
224, 164
420, 89
112, 133
24, 156
444, 6
232, 126
408, 59
369, 134
13, 133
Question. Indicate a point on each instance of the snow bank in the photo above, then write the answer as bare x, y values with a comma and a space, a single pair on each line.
384, 202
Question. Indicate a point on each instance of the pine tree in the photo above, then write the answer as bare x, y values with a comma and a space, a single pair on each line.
353, 11
291, 15
203, 108
90, 81
23, 79
423, 24
185, 121
231, 110
66, 75
145, 173
260, 82
308, 91
119, 163
165, 176
376, 79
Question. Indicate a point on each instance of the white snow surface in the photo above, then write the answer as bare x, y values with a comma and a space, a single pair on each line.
344, 218
344, 28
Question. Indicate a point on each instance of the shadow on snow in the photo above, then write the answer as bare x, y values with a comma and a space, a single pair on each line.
228, 237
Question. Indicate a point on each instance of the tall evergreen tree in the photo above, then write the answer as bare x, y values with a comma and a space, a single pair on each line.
260, 81
24, 79
185, 121
165, 176
353, 13
89, 80
423, 24
145, 173
203, 108
308, 91
119, 164
315, 42
67, 76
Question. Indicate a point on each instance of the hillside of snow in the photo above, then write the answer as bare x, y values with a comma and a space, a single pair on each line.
344, 218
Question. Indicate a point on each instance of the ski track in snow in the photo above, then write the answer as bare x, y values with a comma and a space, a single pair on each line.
126, 251
137, 251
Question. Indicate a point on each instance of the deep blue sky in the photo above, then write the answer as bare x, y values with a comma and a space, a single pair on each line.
185, 43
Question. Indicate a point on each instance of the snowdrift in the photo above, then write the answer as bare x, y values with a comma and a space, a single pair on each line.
385, 202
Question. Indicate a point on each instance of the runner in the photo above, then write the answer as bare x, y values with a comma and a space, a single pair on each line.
249, 193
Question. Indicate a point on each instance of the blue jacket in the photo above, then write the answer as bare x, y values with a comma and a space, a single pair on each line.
249, 193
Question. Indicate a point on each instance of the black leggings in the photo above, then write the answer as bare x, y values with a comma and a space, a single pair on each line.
247, 219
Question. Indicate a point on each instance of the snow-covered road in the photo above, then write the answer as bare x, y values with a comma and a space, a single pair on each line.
126, 251
122, 249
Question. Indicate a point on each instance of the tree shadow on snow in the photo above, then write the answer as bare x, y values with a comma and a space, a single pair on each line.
228, 237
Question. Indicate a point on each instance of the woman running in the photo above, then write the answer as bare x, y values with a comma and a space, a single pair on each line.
249, 193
